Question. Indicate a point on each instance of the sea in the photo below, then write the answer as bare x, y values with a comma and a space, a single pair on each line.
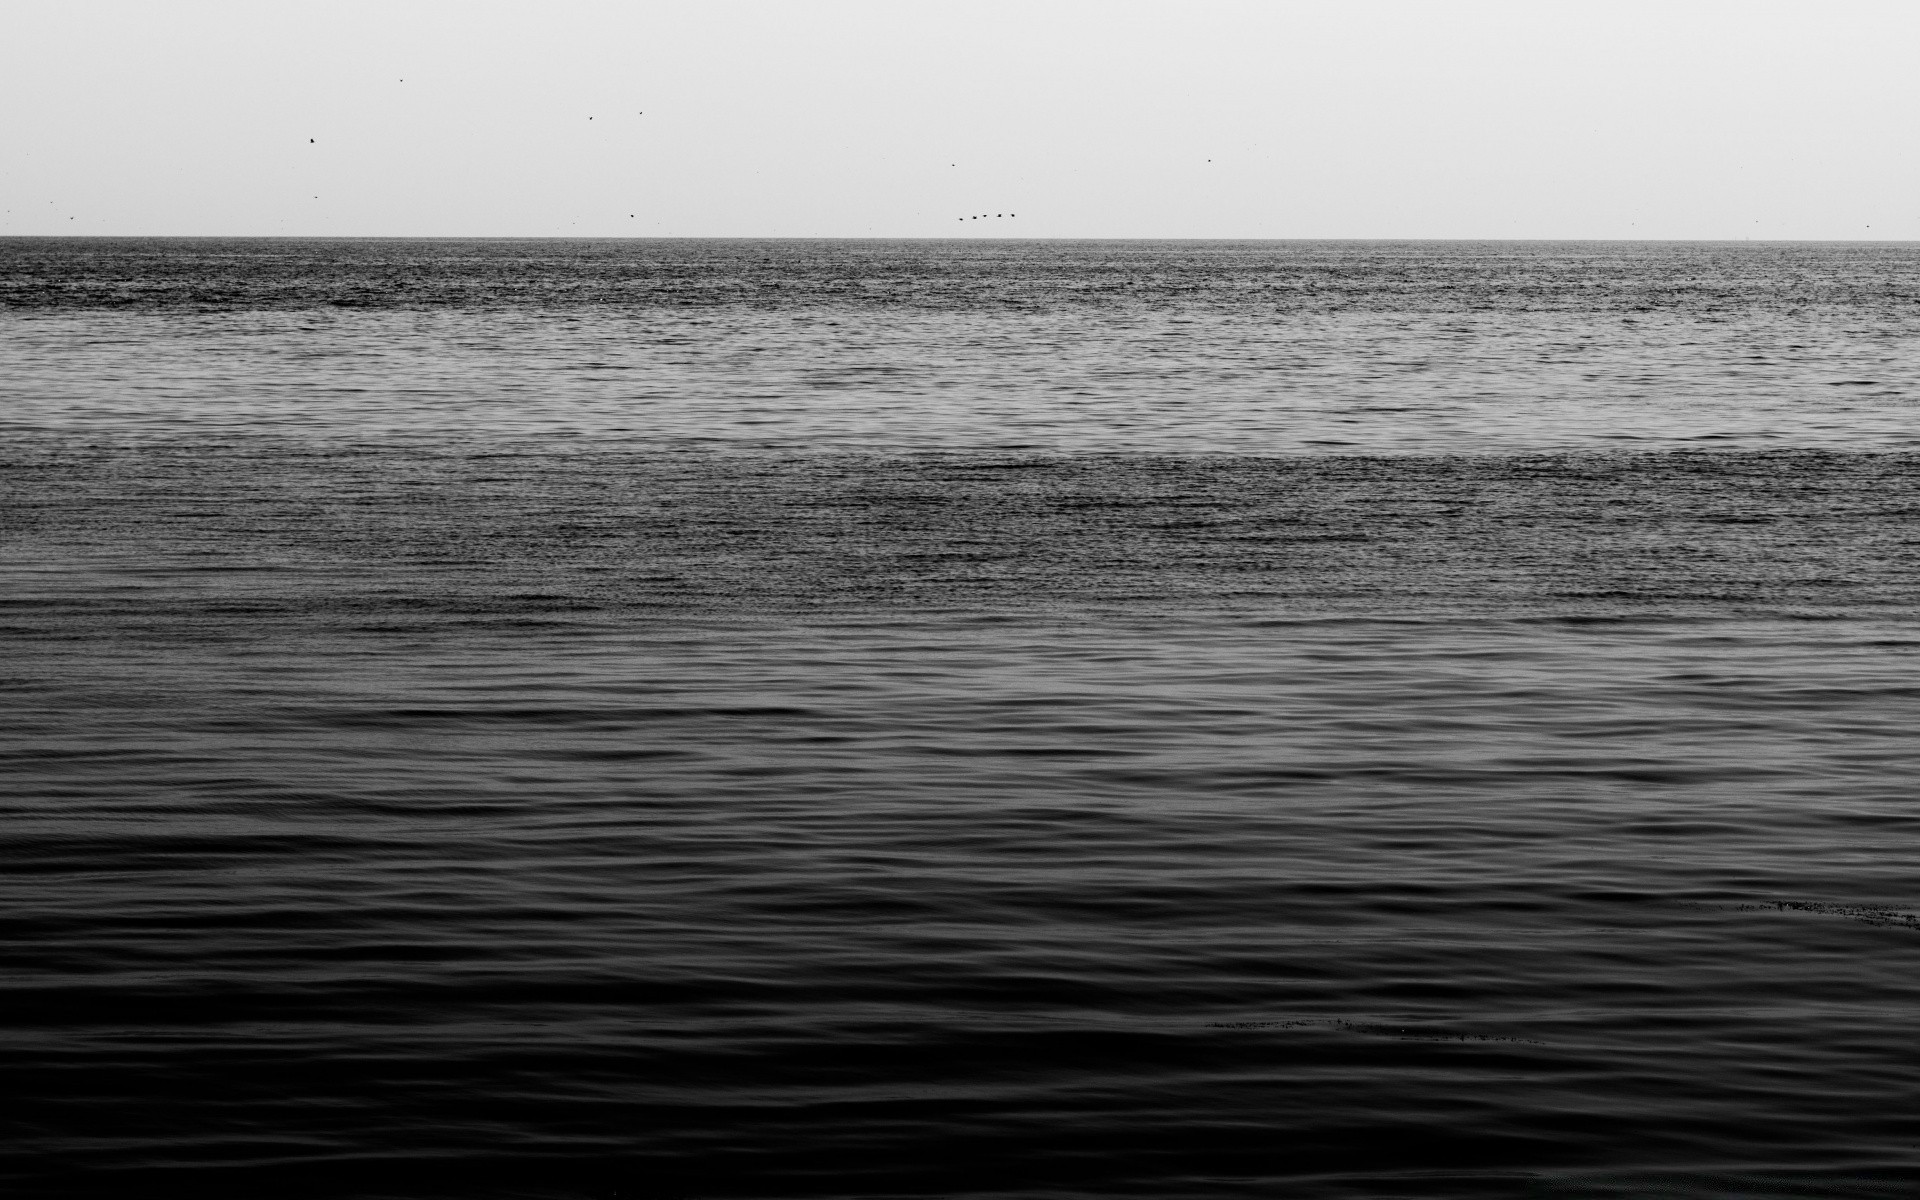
984, 719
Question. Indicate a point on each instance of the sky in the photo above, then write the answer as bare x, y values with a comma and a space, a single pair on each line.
852, 118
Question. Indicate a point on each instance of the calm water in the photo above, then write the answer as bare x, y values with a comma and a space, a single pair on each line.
974, 719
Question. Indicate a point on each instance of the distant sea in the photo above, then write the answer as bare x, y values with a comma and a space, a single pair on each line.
976, 719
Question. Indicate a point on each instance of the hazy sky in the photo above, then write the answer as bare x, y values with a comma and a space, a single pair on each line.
848, 118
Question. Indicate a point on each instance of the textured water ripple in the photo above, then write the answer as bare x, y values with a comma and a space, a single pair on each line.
407, 798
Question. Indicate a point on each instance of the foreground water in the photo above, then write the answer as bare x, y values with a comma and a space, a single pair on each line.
760, 719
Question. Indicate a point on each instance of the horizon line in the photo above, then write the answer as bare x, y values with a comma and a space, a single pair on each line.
733, 237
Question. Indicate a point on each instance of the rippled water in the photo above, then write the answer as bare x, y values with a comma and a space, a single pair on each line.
976, 719
1178, 347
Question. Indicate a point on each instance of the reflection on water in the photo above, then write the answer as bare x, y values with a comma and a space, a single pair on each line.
1265, 348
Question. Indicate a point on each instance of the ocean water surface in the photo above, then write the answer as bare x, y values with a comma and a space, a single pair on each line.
964, 719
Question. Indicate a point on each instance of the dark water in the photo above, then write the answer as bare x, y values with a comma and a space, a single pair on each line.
781, 719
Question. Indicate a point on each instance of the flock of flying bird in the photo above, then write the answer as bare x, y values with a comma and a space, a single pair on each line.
980, 217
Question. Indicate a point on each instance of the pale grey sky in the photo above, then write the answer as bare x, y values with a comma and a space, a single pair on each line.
852, 118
